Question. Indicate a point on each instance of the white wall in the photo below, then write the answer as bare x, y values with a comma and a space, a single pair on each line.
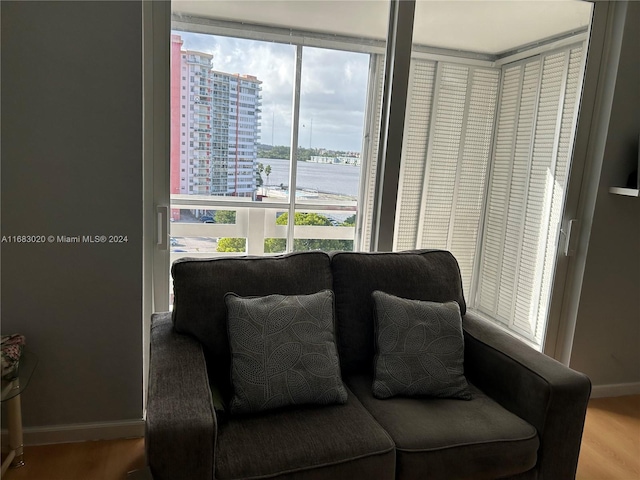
607, 338
72, 165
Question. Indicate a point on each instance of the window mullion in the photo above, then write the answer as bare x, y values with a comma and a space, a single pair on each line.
365, 191
293, 151
397, 64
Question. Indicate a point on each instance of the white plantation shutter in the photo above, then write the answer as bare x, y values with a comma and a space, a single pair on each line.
416, 136
472, 171
496, 216
485, 161
526, 190
513, 190
557, 183
442, 158
445, 160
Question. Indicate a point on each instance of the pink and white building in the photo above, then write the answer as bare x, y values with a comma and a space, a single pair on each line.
215, 127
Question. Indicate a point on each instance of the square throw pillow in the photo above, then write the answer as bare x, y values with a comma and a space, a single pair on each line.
419, 348
283, 351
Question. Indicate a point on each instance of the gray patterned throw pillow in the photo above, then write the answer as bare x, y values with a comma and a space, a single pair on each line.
283, 351
419, 348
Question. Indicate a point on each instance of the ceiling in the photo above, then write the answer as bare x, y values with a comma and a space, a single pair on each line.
483, 26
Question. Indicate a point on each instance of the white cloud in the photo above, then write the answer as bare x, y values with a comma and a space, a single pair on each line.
333, 88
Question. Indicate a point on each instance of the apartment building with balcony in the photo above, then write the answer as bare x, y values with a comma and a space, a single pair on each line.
215, 120
235, 132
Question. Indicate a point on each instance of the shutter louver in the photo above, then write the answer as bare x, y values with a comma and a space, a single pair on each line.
442, 158
472, 170
421, 83
495, 218
516, 198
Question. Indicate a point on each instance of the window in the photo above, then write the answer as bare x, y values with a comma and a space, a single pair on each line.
230, 157
485, 158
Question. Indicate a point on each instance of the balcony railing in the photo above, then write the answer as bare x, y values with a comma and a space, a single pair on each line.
255, 222
199, 61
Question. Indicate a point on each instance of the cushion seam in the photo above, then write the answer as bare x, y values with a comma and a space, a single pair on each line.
314, 467
485, 442
374, 420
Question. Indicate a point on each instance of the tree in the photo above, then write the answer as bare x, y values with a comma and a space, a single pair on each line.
259, 170
226, 217
274, 245
267, 172
232, 244
349, 221
277, 151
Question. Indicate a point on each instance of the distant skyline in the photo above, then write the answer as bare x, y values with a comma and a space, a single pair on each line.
333, 88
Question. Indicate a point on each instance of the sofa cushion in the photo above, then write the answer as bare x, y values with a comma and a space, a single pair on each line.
419, 348
283, 351
199, 287
421, 275
451, 439
336, 441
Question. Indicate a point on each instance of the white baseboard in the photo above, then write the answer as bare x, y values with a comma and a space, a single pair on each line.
615, 390
80, 432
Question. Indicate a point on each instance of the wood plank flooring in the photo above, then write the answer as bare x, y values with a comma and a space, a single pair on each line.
102, 460
611, 441
610, 450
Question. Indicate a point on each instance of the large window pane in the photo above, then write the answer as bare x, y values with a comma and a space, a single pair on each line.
222, 88
243, 150
329, 156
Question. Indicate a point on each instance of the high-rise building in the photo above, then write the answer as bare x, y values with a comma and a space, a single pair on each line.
215, 125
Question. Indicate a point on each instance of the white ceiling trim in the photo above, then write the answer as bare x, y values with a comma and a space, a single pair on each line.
491, 27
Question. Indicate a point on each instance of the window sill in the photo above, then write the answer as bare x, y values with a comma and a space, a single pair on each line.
627, 192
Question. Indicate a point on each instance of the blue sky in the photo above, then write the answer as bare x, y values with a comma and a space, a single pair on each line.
333, 88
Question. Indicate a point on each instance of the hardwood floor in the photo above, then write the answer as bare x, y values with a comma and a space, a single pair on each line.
610, 450
611, 441
103, 460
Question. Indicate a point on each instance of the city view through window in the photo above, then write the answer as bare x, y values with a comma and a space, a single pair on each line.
231, 114
483, 171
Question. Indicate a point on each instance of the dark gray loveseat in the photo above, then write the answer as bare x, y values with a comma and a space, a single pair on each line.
524, 421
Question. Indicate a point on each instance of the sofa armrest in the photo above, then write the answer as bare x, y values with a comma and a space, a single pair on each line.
181, 423
547, 394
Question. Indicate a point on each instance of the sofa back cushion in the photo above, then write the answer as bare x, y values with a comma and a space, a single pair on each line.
418, 275
199, 287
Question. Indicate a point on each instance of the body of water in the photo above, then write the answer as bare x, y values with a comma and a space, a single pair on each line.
323, 177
